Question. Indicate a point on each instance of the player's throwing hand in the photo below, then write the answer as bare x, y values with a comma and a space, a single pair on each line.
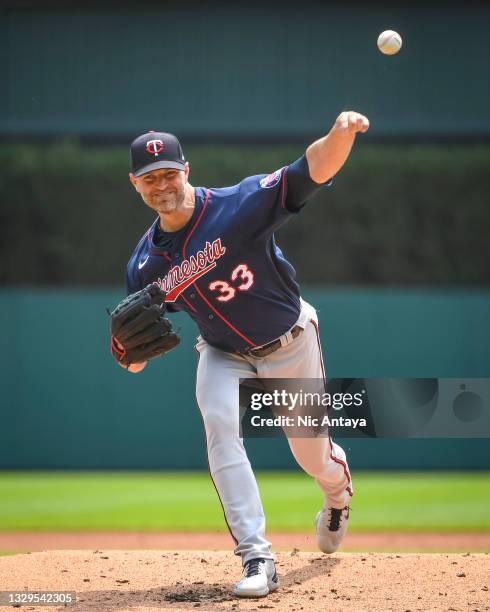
350, 121
327, 155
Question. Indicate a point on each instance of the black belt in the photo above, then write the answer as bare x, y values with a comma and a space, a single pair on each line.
269, 348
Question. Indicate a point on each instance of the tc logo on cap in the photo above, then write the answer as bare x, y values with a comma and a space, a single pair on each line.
154, 147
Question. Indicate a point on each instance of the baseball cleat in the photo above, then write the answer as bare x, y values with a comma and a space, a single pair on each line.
259, 578
331, 527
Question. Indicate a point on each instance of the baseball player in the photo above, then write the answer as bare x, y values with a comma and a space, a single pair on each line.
212, 253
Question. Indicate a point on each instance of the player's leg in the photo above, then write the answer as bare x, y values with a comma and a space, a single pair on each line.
218, 400
319, 457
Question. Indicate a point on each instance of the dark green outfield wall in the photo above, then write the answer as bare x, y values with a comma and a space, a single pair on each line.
395, 214
65, 404
247, 69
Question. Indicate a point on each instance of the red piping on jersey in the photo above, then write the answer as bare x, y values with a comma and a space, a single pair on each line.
155, 254
339, 461
184, 256
223, 318
283, 185
174, 293
188, 303
165, 254
196, 223
152, 250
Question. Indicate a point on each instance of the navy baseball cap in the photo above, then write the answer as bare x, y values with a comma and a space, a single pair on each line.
155, 150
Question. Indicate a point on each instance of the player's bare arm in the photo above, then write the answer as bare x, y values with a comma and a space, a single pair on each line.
327, 155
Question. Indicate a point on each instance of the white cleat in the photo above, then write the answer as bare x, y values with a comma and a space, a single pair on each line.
331, 527
259, 578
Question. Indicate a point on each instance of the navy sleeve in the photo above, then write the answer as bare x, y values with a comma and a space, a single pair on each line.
256, 206
260, 204
301, 187
132, 280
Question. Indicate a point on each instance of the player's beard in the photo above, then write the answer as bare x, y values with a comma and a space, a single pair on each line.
168, 202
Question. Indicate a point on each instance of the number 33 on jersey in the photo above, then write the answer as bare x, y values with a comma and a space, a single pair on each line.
227, 291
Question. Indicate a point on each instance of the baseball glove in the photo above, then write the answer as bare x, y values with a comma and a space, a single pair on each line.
139, 329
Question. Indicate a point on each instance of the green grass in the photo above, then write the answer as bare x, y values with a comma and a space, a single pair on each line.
187, 501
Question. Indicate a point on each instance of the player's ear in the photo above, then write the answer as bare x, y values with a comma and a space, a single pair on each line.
133, 180
187, 169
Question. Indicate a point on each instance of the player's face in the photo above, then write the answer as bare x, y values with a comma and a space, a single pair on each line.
162, 190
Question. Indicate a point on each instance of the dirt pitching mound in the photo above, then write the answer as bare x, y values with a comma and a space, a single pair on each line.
168, 580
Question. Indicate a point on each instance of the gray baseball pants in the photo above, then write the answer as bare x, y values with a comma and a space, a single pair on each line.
217, 393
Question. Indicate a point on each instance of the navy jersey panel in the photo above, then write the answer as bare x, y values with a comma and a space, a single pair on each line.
301, 187
224, 268
133, 282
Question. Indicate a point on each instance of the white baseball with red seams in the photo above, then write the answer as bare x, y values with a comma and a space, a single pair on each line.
389, 42
217, 393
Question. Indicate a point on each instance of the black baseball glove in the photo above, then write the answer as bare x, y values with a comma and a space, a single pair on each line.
139, 329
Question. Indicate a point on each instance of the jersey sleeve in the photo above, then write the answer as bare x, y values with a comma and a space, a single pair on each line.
265, 202
259, 204
300, 186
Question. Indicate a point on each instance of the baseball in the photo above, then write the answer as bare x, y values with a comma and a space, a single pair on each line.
389, 42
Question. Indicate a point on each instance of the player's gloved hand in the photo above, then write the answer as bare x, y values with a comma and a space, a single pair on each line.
139, 329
